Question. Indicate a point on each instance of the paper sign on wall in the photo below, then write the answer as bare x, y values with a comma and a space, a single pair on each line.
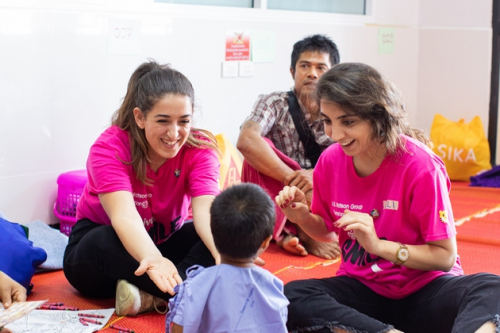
124, 37
229, 69
263, 46
385, 40
237, 45
245, 68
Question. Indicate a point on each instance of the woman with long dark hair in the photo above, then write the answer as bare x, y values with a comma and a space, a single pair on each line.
144, 171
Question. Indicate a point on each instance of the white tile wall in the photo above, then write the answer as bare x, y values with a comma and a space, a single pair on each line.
59, 86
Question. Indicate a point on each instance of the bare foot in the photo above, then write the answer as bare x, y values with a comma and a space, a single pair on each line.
319, 249
291, 243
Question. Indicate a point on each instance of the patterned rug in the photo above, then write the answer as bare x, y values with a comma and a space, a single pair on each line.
476, 210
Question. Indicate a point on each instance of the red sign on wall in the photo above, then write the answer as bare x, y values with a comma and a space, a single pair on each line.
237, 45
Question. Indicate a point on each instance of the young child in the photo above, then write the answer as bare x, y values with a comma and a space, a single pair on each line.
237, 295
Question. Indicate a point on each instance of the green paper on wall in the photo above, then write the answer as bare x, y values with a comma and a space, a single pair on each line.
386, 40
263, 46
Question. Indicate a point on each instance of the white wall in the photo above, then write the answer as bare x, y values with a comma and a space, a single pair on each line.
59, 86
454, 64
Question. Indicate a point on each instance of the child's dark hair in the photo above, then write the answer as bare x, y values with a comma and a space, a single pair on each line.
315, 43
241, 218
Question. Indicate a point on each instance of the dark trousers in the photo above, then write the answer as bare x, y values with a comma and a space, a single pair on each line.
95, 259
447, 304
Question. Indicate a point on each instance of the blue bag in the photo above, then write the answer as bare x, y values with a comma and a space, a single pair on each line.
490, 178
19, 258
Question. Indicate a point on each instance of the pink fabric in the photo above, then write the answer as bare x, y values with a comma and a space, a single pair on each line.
192, 172
272, 187
410, 195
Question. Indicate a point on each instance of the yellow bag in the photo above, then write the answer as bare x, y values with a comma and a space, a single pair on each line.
463, 147
230, 163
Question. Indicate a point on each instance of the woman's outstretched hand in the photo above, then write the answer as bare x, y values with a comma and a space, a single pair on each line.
292, 202
161, 271
362, 226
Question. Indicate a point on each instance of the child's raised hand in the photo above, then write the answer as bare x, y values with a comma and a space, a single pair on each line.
292, 202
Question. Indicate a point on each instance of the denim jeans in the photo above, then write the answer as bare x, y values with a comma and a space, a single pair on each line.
447, 304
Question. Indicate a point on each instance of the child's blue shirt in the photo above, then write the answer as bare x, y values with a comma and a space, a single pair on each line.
227, 298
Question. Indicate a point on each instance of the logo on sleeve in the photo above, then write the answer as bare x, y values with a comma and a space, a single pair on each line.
443, 216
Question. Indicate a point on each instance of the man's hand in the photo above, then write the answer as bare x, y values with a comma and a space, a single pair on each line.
302, 179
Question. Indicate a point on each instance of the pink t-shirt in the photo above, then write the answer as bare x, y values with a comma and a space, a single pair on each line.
410, 195
163, 207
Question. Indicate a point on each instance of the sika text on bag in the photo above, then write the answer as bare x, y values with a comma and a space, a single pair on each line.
463, 147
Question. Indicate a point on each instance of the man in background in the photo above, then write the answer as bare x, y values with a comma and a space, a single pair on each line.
283, 136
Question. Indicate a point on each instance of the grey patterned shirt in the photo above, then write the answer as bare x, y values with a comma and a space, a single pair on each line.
271, 113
